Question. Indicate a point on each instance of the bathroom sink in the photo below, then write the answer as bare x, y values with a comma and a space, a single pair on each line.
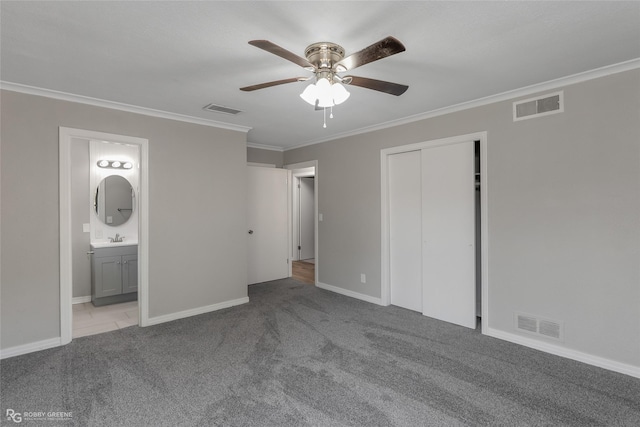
113, 244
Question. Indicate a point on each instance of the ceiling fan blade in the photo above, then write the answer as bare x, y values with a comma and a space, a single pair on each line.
274, 83
282, 53
382, 49
379, 85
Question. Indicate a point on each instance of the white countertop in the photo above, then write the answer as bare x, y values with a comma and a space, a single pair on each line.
113, 244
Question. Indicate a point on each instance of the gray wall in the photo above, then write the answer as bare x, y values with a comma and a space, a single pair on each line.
563, 209
197, 253
258, 155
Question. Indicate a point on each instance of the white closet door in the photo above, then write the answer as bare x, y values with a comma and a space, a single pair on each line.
267, 224
448, 233
405, 224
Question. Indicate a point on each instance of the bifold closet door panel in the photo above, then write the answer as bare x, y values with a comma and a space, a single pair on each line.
405, 229
448, 233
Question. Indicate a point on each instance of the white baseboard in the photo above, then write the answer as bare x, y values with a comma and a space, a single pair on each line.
349, 293
30, 348
56, 342
195, 311
80, 300
601, 362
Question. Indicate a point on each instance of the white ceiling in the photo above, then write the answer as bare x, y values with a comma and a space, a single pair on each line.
180, 56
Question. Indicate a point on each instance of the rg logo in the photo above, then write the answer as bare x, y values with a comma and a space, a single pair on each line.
14, 416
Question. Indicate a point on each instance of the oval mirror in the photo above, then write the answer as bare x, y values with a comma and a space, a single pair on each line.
114, 200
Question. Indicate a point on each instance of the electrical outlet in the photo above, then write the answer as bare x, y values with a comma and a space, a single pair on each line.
363, 278
319, 217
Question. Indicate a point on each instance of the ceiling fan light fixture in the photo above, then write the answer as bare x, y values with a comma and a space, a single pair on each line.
309, 94
325, 60
339, 93
325, 93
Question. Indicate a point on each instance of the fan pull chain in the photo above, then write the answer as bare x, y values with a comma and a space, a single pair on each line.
331, 115
324, 112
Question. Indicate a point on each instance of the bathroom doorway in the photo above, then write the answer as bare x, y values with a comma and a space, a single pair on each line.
104, 187
87, 185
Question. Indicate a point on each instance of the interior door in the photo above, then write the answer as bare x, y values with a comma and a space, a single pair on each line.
306, 199
448, 233
267, 224
405, 225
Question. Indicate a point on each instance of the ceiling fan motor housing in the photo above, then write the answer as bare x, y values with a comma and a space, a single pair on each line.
324, 55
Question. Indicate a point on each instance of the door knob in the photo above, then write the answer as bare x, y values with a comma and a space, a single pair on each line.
250, 231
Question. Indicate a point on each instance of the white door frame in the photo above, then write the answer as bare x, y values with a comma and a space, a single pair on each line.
303, 241
294, 167
66, 135
385, 292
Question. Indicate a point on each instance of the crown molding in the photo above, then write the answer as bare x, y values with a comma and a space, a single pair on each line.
504, 96
64, 96
265, 147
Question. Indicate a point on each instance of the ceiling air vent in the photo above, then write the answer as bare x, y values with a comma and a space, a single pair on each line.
536, 326
220, 109
544, 105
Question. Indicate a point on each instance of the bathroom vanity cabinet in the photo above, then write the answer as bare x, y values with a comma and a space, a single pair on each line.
114, 274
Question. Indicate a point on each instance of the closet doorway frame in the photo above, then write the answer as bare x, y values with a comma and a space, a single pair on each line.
66, 135
385, 285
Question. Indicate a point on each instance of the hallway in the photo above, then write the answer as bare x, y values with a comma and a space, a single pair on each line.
304, 271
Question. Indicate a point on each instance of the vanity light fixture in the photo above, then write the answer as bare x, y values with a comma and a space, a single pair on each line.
114, 164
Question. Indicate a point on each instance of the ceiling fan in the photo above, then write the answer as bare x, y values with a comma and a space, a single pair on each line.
326, 60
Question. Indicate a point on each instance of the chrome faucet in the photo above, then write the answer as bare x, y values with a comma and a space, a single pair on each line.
116, 239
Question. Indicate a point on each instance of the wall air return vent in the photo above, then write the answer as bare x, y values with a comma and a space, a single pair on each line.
526, 323
543, 105
549, 329
537, 326
220, 109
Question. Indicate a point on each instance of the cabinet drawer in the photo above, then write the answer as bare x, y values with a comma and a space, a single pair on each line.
115, 251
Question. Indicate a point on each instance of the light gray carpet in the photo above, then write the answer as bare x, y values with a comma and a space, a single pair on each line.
297, 355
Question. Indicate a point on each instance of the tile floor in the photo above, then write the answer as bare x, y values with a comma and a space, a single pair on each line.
90, 320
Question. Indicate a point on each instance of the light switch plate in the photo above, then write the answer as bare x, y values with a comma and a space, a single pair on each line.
320, 217
86, 228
